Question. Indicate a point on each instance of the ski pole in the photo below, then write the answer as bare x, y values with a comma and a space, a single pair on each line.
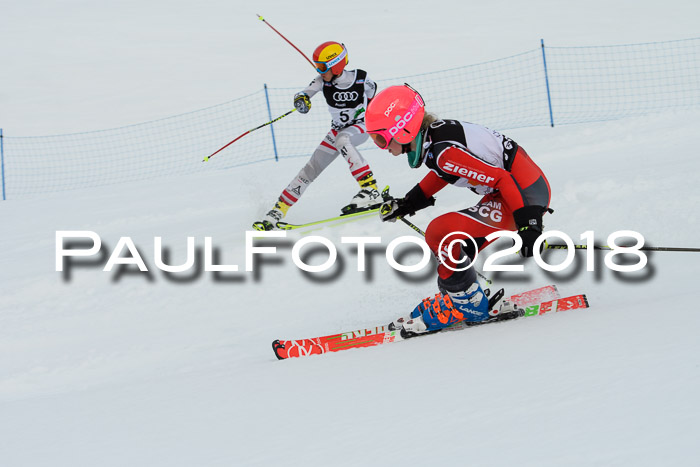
555, 246
249, 131
295, 47
412, 225
387, 197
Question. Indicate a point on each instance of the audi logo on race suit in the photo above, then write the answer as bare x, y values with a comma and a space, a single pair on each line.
345, 96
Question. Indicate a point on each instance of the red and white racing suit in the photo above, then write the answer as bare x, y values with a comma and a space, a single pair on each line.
490, 164
347, 96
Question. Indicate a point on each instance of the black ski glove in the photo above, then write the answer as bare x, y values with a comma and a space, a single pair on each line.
302, 102
414, 200
529, 222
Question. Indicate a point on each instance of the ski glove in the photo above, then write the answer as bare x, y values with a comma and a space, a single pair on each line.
529, 222
302, 102
414, 200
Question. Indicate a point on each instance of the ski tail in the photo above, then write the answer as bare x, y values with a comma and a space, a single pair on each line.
535, 296
341, 219
367, 337
562, 304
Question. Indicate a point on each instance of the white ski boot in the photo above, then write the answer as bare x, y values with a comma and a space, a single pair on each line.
367, 198
364, 200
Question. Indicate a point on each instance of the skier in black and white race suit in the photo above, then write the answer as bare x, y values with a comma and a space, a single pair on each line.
347, 93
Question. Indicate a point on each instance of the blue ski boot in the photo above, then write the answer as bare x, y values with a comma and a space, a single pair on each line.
446, 309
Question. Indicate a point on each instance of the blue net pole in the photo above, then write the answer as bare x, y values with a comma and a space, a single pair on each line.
272, 129
546, 80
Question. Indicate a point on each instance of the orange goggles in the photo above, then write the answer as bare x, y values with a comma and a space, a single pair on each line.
323, 67
381, 138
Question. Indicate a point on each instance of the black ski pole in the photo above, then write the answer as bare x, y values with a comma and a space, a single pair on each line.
555, 246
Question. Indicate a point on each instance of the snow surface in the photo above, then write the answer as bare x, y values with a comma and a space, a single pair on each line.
127, 368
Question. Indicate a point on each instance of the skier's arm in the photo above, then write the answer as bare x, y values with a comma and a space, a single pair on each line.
370, 89
528, 217
456, 162
314, 86
302, 99
431, 184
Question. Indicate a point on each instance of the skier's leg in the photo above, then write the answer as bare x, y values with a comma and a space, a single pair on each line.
324, 154
368, 197
444, 234
461, 297
320, 159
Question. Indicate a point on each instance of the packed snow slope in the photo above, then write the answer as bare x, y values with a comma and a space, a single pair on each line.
152, 369
147, 368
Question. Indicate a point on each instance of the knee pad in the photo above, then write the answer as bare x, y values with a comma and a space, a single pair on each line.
343, 139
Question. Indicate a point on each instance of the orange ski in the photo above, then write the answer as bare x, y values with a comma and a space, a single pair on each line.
536, 302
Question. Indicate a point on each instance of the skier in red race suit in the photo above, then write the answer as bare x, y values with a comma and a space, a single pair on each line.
515, 194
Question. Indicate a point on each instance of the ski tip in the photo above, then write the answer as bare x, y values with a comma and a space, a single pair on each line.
585, 301
277, 346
